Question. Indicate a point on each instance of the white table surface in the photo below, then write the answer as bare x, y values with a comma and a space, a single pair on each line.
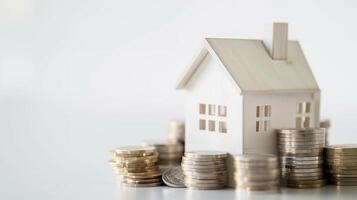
157, 193
28, 180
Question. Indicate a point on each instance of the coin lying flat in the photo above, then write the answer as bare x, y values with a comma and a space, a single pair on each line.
174, 177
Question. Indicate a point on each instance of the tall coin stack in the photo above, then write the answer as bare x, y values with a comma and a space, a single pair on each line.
169, 154
301, 157
136, 166
205, 170
341, 161
257, 172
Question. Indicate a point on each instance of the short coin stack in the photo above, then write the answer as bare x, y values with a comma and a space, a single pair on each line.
341, 162
169, 154
257, 172
136, 166
301, 157
205, 170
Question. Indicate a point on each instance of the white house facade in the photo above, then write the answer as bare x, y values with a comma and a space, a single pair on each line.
239, 91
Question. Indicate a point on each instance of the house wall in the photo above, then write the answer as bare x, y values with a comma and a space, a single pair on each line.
283, 115
210, 85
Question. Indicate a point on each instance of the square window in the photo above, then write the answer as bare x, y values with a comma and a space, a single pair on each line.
258, 112
211, 125
222, 127
202, 109
212, 109
266, 125
222, 111
307, 122
298, 122
307, 107
267, 111
257, 126
300, 108
202, 124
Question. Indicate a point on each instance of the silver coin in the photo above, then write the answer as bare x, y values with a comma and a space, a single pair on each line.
308, 162
305, 158
299, 178
304, 170
256, 166
258, 183
205, 154
292, 174
174, 177
302, 131
142, 184
256, 158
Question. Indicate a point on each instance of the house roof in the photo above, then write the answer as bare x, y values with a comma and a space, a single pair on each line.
252, 69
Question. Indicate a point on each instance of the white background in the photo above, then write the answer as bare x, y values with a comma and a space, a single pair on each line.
79, 77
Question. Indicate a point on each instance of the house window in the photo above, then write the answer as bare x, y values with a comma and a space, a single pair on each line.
212, 109
213, 118
211, 125
222, 127
303, 115
263, 118
222, 111
202, 124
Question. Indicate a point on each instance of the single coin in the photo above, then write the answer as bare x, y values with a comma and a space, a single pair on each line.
301, 178
135, 151
302, 131
205, 154
260, 188
174, 177
141, 184
256, 166
266, 172
338, 175
288, 141
302, 151
141, 181
306, 158
202, 167
303, 185
312, 166
257, 183
342, 148
204, 187
305, 181
315, 170
293, 174
342, 183
256, 158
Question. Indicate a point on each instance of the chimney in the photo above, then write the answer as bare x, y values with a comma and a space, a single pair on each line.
276, 40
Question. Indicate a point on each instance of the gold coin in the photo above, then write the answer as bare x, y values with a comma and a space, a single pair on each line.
133, 151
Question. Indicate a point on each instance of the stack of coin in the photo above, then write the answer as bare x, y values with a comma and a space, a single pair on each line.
326, 124
301, 157
257, 172
341, 164
169, 154
136, 166
205, 170
176, 132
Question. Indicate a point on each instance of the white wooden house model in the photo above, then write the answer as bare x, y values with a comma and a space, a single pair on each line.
239, 90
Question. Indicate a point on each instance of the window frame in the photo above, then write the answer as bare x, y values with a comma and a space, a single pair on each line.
263, 115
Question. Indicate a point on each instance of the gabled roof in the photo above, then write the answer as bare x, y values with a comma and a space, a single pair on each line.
252, 69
